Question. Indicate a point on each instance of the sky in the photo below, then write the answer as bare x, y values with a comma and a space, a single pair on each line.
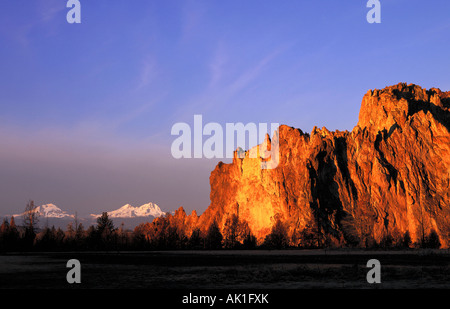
86, 110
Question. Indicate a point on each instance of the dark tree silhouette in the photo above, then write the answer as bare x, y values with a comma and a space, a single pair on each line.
104, 224
30, 216
195, 240
4, 233
213, 239
432, 240
406, 240
30, 220
230, 232
278, 238
249, 241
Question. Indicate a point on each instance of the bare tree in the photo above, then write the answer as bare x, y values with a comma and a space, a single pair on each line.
30, 221
76, 221
30, 217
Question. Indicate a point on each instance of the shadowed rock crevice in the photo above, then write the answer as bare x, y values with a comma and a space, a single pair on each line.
391, 171
420, 100
446, 102
441, 115
325, 205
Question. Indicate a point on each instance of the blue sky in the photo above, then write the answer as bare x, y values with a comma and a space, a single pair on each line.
86, 109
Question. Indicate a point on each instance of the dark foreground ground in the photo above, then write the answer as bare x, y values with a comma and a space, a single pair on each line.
289, 269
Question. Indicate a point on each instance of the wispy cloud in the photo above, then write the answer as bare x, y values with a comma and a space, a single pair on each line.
192, 14
226, 83
218, 64
50, 9
140, 110
148, 72
41, 13
251, 74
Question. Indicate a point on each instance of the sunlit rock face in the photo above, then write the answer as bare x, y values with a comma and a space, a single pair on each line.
388, 176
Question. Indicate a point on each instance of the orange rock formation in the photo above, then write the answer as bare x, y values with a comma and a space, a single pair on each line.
389, 175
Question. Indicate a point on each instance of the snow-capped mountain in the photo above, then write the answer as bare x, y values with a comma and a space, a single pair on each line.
49, 211
129, 216
128, 211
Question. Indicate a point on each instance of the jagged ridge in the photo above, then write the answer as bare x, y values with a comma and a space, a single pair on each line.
389, 175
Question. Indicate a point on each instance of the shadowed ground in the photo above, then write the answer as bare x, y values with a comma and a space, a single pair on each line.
289, 269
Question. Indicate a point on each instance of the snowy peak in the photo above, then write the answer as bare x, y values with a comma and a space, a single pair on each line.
128, 211
149, 209
52, 211
49, 211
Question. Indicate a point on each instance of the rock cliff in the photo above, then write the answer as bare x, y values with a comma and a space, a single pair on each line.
388, 176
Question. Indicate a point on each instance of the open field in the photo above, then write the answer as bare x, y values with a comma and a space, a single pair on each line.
259, 269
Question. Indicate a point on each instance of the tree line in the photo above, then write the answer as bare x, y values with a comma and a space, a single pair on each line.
163, 233
170, 233
156, 235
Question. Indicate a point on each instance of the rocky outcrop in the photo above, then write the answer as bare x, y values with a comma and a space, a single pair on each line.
388, 176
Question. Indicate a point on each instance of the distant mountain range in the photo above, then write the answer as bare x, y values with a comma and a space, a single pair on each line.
128, 211
52, 215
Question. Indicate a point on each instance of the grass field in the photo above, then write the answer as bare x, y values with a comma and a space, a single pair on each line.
288, 269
